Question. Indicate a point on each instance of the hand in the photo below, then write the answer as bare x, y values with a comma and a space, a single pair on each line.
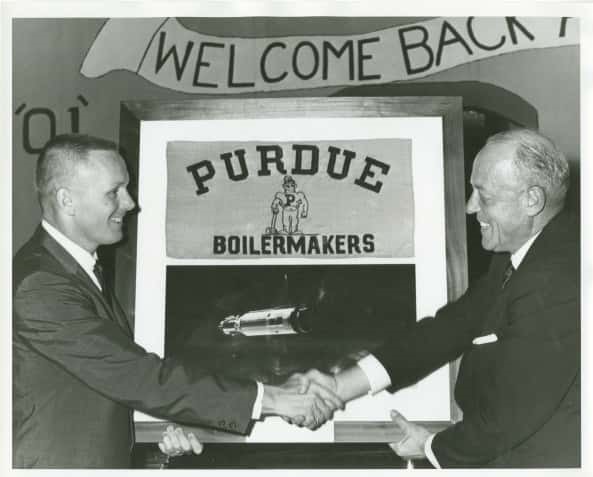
317, 379
411, 446
175, 442
315, 382
301, 401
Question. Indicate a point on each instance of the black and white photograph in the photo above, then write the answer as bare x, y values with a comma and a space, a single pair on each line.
270, 235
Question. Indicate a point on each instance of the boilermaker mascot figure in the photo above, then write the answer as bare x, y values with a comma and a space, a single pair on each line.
293, 203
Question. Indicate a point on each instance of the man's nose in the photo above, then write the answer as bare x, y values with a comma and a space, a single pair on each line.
127, 201
473, 204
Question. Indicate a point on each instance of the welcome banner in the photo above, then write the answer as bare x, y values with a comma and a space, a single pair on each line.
166, 53
312, 199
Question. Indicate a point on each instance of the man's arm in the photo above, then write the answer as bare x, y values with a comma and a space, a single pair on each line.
367, 376
411, 355
426, 346
58, 320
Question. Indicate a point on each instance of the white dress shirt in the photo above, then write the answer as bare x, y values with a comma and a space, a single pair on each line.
379, 378
82, 257
87, 262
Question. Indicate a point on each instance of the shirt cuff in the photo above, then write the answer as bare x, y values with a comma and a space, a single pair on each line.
375, 372
429, 453
259, 399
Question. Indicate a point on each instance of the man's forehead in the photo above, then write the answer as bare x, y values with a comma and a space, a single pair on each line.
494, 169
491, 156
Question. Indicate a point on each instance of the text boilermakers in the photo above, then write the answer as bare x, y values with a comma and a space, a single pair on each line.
338, 244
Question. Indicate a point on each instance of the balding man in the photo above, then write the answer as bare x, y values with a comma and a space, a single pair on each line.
77, 373
517, 328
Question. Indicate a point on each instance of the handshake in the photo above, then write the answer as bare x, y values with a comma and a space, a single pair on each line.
310, 399
305, 400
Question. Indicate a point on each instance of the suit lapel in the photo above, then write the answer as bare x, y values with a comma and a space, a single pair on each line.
492, 308
118, 313
557, 233
71, 266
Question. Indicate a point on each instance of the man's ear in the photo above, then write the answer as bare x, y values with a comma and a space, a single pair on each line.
64, 201
536, 200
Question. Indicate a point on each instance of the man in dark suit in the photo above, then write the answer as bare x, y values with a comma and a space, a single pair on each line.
518, 327
77, 373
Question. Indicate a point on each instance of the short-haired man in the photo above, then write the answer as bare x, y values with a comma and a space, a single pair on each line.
77, 373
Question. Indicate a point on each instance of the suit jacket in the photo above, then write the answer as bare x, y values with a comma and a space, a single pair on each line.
520, 395
77, 372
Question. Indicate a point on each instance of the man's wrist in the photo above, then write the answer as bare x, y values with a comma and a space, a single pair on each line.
351, 383
256, 412
375, 372
269, 400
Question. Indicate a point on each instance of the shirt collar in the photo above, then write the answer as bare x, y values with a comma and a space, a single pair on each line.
519, 255
82, 257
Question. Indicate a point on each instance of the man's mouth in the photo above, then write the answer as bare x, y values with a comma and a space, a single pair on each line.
117, 220
483, 225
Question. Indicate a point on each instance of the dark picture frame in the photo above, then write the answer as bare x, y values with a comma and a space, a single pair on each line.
449, 109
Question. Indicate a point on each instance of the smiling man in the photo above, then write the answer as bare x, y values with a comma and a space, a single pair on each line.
95, 203
517, 328
77, 373
514, 199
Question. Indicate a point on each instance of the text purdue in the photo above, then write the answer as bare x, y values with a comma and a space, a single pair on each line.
305, 160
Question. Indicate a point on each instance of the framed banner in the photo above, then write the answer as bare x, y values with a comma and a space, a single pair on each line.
279, 235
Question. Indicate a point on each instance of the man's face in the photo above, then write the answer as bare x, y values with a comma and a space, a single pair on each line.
290, 187
498, 199
101, 200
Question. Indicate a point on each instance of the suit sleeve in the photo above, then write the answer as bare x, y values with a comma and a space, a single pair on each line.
524, 376
56, 319
433, 342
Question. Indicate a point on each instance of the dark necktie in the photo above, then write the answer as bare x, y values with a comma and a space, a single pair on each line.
98, 271
507, 274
